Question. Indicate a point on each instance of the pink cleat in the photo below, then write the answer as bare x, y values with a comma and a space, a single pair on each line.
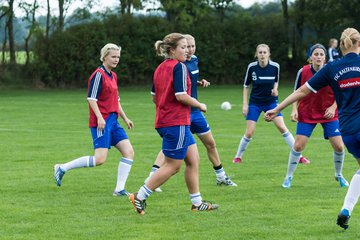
304, 161
237, 160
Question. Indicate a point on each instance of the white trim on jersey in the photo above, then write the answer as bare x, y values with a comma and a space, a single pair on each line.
90, 98
309, 87
184, 75
275, 64
330, 55
180, 93
95, 87
297, 78
247, 71
152, 93
266, 78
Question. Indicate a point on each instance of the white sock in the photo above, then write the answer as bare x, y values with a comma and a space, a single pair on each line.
353, 193
294, 158
123, 173
289, 139
195, 198
244, 142
143, 193
87, 161
153, 170
220, 172
338, 162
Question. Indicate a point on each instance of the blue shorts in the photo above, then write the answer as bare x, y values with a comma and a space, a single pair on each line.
331, 129
352, 143
199, 125
176, 140
110, 135
255, 111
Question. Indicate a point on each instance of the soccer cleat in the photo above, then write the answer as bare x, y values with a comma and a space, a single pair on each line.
237, 160
304, 160
138, 204
204, 206
287, 182
58, 174
343, 219
342, 181
226, 181
121, 193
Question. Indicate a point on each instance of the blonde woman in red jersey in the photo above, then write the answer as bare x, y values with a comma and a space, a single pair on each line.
105, 108
171, 95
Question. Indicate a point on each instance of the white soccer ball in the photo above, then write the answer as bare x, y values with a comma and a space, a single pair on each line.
226, 106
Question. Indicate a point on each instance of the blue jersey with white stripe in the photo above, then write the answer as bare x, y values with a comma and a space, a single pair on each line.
262, 80
343, 76
192, 66
333, 54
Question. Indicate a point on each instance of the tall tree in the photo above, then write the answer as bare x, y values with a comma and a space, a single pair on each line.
4, 10
30, 10
298, 30
221, 7
184, 13
10, 27
127, 6
285, 11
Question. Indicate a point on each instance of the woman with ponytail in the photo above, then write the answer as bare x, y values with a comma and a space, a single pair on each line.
171, 95
343, 76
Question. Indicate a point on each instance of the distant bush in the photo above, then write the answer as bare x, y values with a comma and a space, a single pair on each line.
224, 47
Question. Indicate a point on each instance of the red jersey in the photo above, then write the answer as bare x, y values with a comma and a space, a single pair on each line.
170, 79
312, 107
102, 87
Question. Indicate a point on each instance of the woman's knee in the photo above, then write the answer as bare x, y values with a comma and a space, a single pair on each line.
128, 153
100, 159
298, 146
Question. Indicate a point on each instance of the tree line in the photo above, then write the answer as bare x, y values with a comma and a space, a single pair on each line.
65, 49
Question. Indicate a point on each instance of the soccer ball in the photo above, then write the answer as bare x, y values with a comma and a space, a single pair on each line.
226, 106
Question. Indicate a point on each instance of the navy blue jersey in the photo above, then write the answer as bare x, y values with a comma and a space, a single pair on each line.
333, 54
192, 66
343, 76
262, 80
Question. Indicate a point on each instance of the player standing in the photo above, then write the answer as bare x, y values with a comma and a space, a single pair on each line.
311, 110
171, 95
198, 123
332, 51
343, 76
263, 75
105, 108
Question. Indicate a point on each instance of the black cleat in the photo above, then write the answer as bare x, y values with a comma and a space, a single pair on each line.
343, 219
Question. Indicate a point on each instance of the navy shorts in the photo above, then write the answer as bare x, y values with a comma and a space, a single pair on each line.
110, 135
352, 143
255, 111
176, 140
331, 129
199, 125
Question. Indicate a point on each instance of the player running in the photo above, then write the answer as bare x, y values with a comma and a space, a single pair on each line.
263, 74
311, 110
171, 95
105, 108
343, 76
198, 123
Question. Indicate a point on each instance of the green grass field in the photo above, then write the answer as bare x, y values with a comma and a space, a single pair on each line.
41, 128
